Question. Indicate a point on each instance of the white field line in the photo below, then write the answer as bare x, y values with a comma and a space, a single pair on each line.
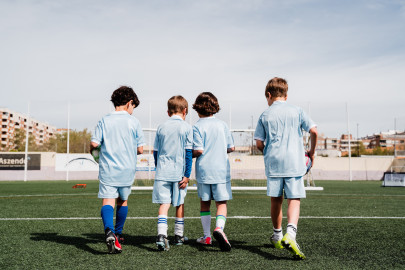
233, 217
192, 191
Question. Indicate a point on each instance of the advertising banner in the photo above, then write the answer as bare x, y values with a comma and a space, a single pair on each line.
17, 161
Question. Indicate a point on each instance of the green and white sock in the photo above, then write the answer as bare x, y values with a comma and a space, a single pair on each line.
220, 222
206, 222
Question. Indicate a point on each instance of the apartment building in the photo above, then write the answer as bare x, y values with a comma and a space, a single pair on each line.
11, 121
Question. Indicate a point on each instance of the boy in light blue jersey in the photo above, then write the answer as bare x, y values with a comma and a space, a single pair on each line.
119, 137
173, 159
212, 142
279, 136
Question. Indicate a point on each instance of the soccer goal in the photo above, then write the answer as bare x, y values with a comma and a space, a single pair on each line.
246, 162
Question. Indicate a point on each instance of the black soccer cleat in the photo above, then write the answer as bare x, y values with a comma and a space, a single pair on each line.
162, 243
112, 242
180, 240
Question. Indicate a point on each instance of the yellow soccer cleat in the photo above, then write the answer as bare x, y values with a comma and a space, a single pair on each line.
276, 243
292, 246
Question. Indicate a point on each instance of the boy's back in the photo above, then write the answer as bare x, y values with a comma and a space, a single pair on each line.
172, 138
119, 135
213, 137
280, 126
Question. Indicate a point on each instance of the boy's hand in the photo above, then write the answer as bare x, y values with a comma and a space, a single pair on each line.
311, 156
183, 183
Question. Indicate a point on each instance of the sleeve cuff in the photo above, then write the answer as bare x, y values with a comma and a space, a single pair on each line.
199, 148
259, 138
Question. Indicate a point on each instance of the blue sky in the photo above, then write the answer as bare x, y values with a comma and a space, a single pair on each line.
331, 52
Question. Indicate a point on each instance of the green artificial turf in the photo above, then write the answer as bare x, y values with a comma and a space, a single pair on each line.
368, 237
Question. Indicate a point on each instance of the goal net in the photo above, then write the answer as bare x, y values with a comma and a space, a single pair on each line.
246, 162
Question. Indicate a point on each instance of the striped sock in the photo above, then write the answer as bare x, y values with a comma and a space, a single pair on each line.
179, 226
206, 222
221, 222
292, 230
162, 225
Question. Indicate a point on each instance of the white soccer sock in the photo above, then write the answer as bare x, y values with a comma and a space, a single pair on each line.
220, 222
277, 234
162, 225
206, 223
179, 226
292, 230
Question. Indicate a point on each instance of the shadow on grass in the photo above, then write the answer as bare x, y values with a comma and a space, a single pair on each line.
140, 241
78, 242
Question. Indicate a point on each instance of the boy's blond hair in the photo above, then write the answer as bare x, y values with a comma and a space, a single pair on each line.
277, 87
176, 104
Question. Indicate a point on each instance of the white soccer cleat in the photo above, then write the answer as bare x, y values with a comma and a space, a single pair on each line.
204, 240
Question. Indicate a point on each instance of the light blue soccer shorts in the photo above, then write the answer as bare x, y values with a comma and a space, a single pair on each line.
293, 187
111, 192
217, 192
168, 192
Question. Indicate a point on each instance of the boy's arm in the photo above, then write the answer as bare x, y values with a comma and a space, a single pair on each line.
189, 163
140, 150
155, 157
314, 136
260, 145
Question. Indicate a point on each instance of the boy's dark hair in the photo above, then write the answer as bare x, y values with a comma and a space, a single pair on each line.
123, 95
176, 104
277, 87
206, 104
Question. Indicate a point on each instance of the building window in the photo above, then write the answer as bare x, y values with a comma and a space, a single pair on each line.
4, 126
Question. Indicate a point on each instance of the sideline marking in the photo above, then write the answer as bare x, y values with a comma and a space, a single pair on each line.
233, 217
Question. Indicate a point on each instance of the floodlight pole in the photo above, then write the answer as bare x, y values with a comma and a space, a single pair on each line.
26, 143
348, 137
68, 139
395, 137
150, 139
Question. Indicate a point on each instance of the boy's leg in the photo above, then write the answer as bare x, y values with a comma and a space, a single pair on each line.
221, 215
107, 214
294, 191
277, 218
162, 218
293, 214
205, 214
120, 218
179, 238
220, 225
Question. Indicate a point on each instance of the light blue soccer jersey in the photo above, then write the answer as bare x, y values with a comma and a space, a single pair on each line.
280, 127
213, 137
172, 139
119, 134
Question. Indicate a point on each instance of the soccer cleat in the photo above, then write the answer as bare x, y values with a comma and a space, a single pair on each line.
276, 243
120, 238
162, 243
112, 242
223, 242
292, 246
180, 240
204, 240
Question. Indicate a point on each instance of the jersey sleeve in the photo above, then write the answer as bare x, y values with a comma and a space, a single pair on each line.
156, 143
98, 133
140, 139
229, 138
198, 142
306, 122
189, 138
260, 133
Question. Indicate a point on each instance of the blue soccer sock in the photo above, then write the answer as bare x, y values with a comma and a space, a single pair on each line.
120, 217
107, 215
